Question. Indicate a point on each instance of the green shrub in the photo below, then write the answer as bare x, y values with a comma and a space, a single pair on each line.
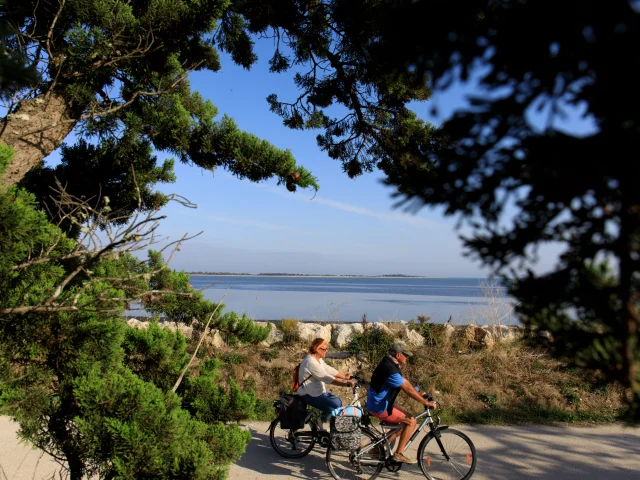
155, 354
210, 402
432, 333
270, 354
289, 329
145, 433
264, 410
372, 343
233, 358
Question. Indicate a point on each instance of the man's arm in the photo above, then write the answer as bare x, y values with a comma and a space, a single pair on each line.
407, 388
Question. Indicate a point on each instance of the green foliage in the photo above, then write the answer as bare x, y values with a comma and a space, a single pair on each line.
290, 330
209, 401
233, 358
96, 171
233, 327
180, 303
372, 344
122, 68
518, 175
15, 73
270, 354
144, 432
87, 388
431, 332
155, 354
24, 230
374, 128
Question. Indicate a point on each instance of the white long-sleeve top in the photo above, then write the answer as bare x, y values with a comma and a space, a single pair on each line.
320, 372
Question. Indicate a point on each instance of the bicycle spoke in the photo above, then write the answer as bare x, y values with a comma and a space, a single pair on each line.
293, 444
459, 451
363, 464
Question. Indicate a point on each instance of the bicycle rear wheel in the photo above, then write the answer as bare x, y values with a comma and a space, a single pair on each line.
345, 465
293, 443
451, 458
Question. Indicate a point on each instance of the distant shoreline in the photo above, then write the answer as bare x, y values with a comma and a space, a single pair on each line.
293, 275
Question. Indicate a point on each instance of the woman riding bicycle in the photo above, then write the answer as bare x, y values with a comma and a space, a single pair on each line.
312, 376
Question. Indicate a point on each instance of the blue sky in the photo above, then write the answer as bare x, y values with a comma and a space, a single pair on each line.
349, 227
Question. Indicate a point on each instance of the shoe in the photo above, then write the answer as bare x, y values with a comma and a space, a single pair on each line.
400, 458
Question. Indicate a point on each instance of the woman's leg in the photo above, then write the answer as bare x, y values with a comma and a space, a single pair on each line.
326, 403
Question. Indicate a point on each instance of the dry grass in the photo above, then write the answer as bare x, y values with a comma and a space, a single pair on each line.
510, 384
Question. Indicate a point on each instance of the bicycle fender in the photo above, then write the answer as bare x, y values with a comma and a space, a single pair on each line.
272, 425
431, 435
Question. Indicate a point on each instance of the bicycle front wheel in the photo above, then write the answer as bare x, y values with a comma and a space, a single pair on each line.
452, 456
345, 465
293, 443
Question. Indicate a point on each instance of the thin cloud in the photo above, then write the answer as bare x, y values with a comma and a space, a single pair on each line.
251, 223
392, 217
389, 217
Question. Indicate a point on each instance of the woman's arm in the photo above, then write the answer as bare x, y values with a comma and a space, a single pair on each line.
336, 373
340, 382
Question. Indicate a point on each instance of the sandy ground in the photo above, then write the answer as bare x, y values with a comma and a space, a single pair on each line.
610, 452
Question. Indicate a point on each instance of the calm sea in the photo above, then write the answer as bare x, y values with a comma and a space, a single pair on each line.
340, 299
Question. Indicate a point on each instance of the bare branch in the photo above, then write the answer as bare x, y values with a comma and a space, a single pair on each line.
91, 216
175, 387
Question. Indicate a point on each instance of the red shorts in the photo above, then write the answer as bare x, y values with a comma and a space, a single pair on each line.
395, 416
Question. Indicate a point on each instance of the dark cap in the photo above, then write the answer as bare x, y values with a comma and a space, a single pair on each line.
400, 347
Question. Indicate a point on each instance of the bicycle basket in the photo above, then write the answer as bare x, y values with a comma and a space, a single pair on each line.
292, 412
345, 429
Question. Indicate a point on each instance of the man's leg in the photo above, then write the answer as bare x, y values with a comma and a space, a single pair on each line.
409, 425
405, 434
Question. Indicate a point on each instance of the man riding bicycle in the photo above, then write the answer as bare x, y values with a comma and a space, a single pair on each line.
386, 384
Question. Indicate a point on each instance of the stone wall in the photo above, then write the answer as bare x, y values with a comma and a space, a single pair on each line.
340, 334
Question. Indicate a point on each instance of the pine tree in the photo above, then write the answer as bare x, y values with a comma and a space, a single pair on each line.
111, 68
86, 388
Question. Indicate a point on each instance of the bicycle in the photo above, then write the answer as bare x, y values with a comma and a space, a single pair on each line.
291, 443
444, 453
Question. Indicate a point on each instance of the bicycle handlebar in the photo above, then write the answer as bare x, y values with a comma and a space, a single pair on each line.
360, 382
429, 398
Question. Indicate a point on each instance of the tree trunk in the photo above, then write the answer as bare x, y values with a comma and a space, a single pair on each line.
35, 130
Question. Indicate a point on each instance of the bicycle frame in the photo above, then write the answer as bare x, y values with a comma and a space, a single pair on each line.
314, 416
389, 430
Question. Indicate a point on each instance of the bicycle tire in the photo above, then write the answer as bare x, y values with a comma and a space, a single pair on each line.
279, 438
459, 447
333, 460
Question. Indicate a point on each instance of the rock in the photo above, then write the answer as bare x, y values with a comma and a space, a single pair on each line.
502, 333
476, 337
414, 338
217, 340
448, 332
484, 338
132, 322
309, 331
382, 327
342, 333
275, 335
